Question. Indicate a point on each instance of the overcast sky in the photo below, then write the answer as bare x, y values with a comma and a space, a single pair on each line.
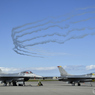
42, 34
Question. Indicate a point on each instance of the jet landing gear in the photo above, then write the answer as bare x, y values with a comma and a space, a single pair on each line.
5, 83
91, 84
14, 84
73, 84
21, 83
9, 83
79, 84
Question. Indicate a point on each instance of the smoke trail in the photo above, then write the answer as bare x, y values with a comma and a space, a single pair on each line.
59, 42
61, 35
85, 8
51, 27
53, 41
51, 17
39, 30
83, 20
28, 24
54, 34
21, 48
47, 22
26, 54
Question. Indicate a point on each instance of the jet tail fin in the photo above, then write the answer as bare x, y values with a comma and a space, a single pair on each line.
62, 71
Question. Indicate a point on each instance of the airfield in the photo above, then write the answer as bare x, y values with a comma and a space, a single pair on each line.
48, 88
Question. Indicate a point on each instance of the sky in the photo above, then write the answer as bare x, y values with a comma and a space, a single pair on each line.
39, 35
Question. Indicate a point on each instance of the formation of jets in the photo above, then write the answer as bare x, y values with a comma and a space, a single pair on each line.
20, 78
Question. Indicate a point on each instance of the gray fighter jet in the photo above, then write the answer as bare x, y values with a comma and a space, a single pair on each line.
72, 79
17, 78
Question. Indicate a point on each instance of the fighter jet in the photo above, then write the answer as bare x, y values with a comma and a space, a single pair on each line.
17, 78
72, 79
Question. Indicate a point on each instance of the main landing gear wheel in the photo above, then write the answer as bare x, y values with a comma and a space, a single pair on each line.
79, 84
14, 84
73, 84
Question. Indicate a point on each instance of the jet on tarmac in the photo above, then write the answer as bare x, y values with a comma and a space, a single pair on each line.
17, 78
72, 79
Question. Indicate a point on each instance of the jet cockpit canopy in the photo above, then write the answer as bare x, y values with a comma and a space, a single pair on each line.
27, 72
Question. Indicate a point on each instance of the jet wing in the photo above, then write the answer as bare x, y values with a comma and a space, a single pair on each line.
19, 76
76, 78
79, 77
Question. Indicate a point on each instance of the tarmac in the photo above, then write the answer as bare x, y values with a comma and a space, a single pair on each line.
48, 88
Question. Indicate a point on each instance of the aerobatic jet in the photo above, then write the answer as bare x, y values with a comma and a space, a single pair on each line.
17, 78
73, 79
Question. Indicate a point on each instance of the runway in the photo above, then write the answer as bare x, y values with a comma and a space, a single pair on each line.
48, 88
